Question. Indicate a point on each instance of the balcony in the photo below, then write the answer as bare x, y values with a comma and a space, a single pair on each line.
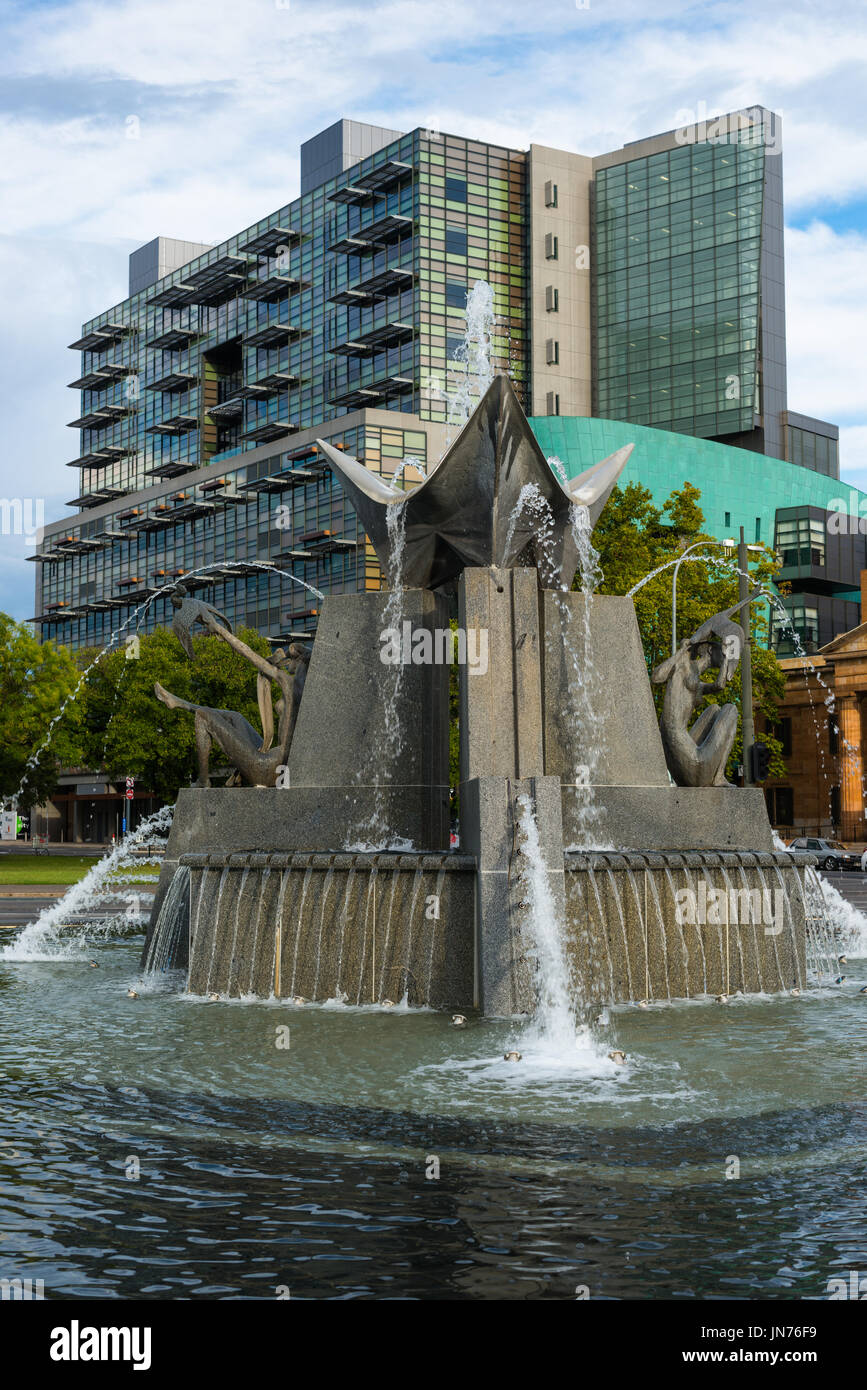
173, 340
97, 496
171, 468
352, 245
99, 458
281, 482
374, 287
293, 555
273, 335
322, 543
273, 288
173, 297
77, 545
159, 519
191, 511
350, 193
173, 382
270, 430
227, 411
102, 377
98, 339
364, 186
364, 240
109, 534
365, 344
368, 394
268, 243
357, 398
267, 386
218, 282
383, 176
100, 419
175, 424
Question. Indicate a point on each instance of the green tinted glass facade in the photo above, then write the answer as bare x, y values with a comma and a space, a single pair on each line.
678, 245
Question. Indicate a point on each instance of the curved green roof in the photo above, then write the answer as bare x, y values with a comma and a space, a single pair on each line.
749, 487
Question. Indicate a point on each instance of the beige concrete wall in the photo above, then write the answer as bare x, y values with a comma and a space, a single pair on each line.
569, 221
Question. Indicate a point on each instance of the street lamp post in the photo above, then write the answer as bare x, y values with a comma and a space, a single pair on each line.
748, 730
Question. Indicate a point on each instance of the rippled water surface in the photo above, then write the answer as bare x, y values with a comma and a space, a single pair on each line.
165, 1146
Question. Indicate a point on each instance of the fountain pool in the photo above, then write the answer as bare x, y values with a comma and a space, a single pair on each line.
167, 1147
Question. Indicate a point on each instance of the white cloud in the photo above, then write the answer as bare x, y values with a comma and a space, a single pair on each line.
225, 93
826, 291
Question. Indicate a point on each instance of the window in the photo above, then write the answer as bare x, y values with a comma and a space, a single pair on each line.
552, 247
552, 299
552, 353
456, 190
782, 730
453, 342
456, 294
781, 808
552, 403
800, 542
550, 194
799, 628
456, 241
728, 521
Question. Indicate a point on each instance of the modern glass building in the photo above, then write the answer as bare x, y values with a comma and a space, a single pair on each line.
638, 294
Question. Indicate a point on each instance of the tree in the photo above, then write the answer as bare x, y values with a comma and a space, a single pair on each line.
128, 732
634, 537
35, 680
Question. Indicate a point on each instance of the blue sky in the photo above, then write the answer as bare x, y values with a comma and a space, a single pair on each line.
223, 94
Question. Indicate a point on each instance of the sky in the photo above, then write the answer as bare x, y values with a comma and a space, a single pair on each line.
122, 120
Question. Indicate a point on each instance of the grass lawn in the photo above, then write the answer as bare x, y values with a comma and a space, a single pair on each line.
44, 868
63, 869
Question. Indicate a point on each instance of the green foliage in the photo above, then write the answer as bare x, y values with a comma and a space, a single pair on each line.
128, 732
35, 679
634, 537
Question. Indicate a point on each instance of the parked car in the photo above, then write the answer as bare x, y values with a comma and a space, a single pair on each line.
831, 854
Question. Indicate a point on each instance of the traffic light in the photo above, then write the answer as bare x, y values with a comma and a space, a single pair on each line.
760, 762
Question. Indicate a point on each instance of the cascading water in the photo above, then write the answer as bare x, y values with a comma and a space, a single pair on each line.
585, 692
46, 938
172, 922
554, 1019
375, 833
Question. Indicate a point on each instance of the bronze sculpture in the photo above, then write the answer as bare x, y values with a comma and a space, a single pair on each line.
189, 611
250, 752
697, 755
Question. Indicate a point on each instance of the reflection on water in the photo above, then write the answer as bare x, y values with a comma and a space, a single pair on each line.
169, 1147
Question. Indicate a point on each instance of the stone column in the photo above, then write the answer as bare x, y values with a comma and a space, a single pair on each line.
851, 763
505, 979
501, 707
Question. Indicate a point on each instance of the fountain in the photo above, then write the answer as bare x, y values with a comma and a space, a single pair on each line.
603, 858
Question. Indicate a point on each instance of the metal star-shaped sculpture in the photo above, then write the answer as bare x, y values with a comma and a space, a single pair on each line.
491, 500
